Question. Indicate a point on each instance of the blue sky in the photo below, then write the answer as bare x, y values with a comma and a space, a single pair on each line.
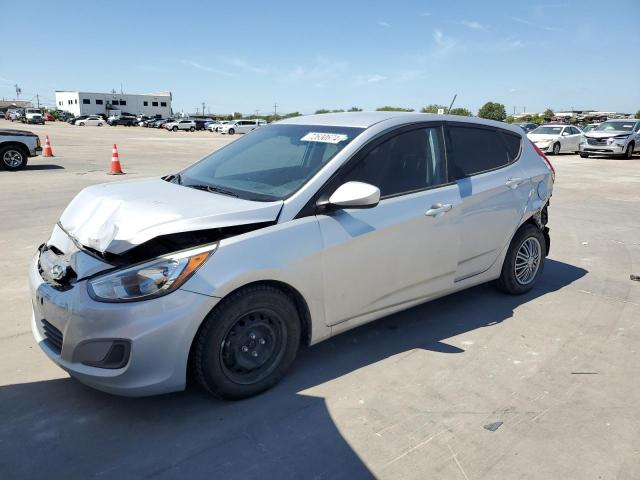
246, 55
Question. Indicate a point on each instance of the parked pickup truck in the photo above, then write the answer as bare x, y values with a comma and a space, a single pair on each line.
16, 146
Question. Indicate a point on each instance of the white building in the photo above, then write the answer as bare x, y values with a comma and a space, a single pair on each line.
89, 103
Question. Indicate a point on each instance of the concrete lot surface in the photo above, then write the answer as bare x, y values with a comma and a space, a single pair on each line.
478, 385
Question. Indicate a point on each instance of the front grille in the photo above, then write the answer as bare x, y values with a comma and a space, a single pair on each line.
53, 336
596, 141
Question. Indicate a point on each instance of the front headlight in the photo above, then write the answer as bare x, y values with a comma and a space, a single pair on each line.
150, 279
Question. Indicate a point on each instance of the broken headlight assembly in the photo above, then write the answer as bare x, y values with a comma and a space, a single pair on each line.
149, 279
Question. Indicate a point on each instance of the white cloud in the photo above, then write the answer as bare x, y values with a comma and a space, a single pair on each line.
321, 72
367, 79
538, 25
473, 25
443, 44
244, 65
206, 68
426, 14
384, 24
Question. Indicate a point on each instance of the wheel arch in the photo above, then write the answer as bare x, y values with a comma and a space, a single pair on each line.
17, 145
297, 298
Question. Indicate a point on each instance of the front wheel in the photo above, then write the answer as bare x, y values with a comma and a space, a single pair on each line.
584, 155
556, 148
174, 129
247, 343
524, 261
81, 124
628, 153
231, 131
192, 129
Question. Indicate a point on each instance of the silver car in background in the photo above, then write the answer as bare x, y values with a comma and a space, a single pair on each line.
556, 139
613, 137
296, 232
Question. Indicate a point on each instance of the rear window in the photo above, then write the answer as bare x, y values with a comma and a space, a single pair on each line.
512, 142
475, 150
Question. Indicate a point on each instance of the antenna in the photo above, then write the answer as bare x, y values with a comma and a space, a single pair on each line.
452, 101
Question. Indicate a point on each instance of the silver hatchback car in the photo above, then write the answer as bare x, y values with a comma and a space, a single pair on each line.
292, 234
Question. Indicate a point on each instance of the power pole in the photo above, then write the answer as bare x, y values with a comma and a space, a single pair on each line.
38, 100
203, 109
275, 111
18, 91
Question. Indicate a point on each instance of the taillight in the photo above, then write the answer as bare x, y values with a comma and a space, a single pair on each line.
546, 160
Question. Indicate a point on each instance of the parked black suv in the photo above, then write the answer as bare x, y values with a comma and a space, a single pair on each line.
122, 120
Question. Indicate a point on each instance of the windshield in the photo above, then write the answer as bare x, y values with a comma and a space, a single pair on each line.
272, 162
547, 131
624, 126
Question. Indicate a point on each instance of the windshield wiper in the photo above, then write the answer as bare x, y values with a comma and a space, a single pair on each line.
212, 189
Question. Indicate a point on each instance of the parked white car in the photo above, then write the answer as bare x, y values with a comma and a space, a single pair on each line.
557, 138
215, 126
241, 126
93, 120
181, 125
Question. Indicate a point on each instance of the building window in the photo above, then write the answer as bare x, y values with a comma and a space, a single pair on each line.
86, 101
70, 102
154, 104
76, 101
60, 103
146, 104
114, 102
163, 104
123, 102
98, 102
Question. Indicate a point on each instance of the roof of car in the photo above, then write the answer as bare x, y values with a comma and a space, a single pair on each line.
368, 119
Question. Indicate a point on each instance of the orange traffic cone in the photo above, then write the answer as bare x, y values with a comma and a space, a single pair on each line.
116, 168
48, 152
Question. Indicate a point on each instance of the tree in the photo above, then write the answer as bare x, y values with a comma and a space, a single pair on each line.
547, 115
387, 108
638, 114
322, 110
460, 111
493, 111
356, 109
237, 115
432, 108
510, 119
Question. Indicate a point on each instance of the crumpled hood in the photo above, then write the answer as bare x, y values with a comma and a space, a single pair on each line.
607, 133
116, 217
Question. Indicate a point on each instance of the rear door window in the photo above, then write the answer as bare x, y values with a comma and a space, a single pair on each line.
472, 150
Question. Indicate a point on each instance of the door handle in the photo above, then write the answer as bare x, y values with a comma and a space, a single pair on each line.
438, 209
513, 182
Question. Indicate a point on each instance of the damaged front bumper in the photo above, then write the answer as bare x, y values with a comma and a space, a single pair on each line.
131, 349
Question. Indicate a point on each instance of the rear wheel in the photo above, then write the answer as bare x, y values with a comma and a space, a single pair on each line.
584, 155
13, 158
247, 343
524, 261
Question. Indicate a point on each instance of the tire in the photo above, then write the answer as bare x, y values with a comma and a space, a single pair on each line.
192, 129
253, 321
628, 153
99, 124
81, 124
556, 148
528, 238
231, 131
13, 158
584, 155
174, 129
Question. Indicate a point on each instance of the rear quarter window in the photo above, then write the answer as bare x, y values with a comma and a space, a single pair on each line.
473, 150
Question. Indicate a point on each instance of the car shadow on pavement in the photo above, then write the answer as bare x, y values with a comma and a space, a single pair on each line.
64, 429
44, 167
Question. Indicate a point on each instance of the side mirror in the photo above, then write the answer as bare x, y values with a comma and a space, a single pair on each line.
355, 195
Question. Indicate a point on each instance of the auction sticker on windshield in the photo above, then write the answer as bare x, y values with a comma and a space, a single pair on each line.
324, 137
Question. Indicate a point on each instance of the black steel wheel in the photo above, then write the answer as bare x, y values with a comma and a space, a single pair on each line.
247, 343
